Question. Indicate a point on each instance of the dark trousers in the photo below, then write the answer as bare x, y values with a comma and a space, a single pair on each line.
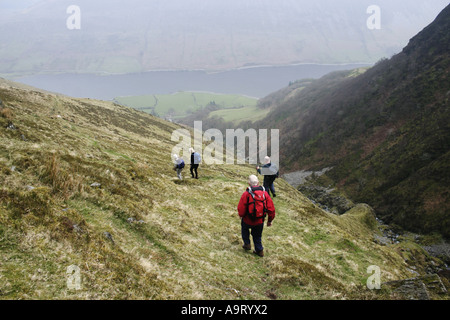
256, 232
194, 168
269, 186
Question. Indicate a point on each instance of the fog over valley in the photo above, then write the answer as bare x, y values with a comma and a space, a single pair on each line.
139, 35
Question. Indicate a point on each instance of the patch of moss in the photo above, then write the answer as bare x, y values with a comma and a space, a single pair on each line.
37, 202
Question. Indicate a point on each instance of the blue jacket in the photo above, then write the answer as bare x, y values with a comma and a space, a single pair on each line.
179, 164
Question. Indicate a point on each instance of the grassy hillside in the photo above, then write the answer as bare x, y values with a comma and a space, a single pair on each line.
89, 183
384, 133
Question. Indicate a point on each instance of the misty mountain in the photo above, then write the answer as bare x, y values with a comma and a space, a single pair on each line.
137, 35
384, 133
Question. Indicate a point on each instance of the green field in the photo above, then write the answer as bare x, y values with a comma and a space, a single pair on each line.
238, 115
182, 104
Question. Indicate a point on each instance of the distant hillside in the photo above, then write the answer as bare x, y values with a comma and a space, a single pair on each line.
141, 35
385, 133
88, 186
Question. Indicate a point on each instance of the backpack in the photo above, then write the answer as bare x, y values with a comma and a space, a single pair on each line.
270, 170
259, 203
197, 158
181, 164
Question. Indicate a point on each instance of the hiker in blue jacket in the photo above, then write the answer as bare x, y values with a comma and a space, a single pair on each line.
195, 162
270, 173
178, 165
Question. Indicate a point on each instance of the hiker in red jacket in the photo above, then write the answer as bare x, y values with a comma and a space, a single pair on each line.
254, 206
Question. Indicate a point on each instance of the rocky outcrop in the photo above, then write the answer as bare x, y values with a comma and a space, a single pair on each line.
300, 177
328, 199
440, 250
421, 288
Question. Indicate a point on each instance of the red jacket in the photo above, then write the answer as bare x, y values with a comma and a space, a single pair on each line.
243, 207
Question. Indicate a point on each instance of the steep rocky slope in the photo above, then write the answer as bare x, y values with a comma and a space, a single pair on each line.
384, 133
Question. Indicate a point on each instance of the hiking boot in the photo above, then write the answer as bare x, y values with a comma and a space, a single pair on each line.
259, 253
247, 247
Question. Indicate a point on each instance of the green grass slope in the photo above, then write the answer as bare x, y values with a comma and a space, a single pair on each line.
142, 234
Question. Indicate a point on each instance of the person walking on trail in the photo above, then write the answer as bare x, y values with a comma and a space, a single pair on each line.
179, 165
195, 162
270, 173
254, 205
